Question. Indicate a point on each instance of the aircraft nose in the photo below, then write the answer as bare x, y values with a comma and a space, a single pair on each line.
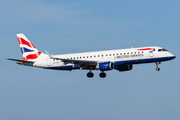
172, 56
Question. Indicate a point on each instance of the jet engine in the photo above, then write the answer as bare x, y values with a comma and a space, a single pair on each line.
105, 66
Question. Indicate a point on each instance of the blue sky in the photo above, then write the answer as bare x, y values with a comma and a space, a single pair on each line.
79, 26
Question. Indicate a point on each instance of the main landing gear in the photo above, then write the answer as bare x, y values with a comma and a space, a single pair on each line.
102, 74
90, 74
157, 64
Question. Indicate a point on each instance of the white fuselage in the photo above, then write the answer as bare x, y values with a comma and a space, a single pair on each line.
118, 57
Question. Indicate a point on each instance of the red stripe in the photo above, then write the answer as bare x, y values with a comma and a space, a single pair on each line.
24, 42
32, 56
147, 49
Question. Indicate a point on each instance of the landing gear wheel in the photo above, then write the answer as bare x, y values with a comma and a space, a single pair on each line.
157, 69
90, 75
102, 75
157, 64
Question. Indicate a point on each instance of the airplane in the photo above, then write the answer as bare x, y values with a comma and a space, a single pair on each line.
121, 59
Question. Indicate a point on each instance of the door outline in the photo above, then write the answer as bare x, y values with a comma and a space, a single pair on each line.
151, 54
49, 62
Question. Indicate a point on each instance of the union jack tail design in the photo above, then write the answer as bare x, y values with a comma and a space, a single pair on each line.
29, 51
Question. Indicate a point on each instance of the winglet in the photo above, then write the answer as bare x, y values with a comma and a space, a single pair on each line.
50, 56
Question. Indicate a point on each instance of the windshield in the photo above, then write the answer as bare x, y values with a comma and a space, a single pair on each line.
164, 49
160, 50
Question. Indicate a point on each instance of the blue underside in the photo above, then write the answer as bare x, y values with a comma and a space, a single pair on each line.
119, 63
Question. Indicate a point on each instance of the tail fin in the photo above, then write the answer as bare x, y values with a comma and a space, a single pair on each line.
29, 51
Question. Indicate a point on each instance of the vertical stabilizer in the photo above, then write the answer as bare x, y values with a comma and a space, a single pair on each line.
29, 51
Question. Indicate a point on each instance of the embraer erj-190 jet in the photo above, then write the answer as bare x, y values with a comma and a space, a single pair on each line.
122, 59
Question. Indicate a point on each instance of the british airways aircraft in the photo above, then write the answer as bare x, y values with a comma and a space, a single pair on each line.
122, 59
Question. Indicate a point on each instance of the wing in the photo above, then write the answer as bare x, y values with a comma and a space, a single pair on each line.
76, 62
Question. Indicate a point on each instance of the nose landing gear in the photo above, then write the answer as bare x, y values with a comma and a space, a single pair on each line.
157, 64
157, 69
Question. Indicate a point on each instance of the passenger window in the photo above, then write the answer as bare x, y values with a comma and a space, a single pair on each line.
94, 56
98, 55
109, 54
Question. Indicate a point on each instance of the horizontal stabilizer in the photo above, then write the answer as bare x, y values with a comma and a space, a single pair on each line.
20, 60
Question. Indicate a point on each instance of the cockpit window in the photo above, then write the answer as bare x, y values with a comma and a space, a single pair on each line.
164, 49
160, 50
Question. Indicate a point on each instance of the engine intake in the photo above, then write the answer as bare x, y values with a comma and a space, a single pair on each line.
125, 68
105, 66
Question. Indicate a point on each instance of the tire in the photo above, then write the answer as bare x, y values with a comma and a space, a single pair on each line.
90, 75
157, 69
102, 75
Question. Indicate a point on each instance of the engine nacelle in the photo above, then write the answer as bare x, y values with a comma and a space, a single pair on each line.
105, 66
125, 68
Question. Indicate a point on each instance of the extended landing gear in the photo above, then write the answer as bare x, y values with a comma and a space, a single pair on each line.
90, 74
102, 74
157, 64
157, 69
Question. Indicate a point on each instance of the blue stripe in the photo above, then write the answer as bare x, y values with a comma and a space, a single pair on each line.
70, 67
23, 50
141, 61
